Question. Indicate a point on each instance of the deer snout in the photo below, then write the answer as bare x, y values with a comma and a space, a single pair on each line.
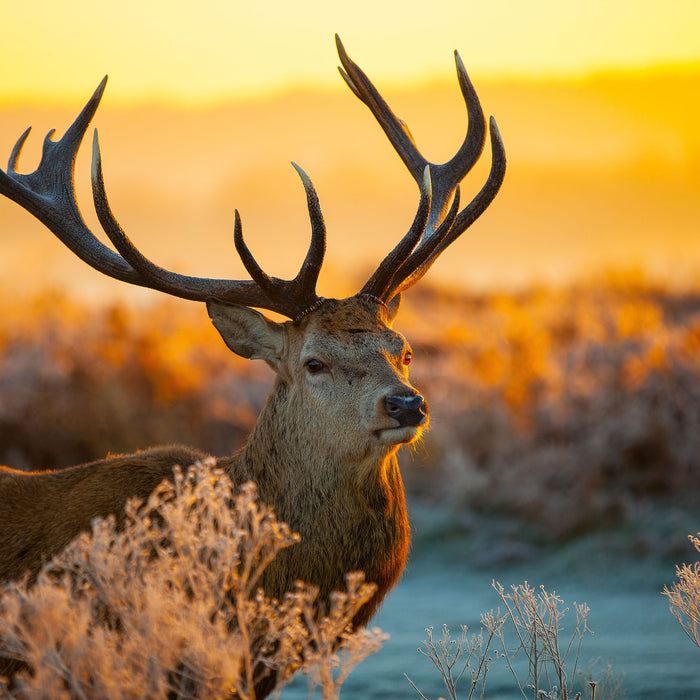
407, 410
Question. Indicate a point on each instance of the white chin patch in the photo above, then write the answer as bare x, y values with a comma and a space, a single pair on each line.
398, 436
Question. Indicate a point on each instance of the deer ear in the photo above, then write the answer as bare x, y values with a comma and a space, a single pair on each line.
247, 332
392, 308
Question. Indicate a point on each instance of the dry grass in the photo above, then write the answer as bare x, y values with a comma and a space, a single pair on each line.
169, 606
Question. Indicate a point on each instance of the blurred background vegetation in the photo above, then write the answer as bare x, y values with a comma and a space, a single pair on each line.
568, 410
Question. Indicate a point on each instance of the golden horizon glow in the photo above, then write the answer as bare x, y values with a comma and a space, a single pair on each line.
216, 50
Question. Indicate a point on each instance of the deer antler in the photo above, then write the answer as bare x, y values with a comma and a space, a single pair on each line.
49, 195
439, 183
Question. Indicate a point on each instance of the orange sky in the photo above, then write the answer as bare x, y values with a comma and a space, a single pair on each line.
216, 49
603, 172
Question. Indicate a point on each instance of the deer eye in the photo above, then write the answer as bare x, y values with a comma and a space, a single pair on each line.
314, 366
407, 357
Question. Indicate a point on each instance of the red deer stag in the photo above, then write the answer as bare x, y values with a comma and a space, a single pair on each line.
323, 451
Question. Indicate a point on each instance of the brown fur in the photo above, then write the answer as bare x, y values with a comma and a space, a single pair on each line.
323, 454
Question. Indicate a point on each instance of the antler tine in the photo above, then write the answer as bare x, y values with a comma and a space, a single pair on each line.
473, 145
448, 175
444, 224
486, 194
286, 297
249, 262
16, 150
311, 267
303, 285
413, 270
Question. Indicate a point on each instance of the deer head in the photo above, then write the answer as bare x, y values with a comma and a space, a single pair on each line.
341, 367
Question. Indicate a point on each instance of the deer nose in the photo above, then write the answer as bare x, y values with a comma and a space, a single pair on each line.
406, 410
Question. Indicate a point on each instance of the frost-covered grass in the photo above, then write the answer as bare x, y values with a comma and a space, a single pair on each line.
169, 606
529, 636
684, 596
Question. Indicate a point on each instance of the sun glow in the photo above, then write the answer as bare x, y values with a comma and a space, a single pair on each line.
597, 102
217, 49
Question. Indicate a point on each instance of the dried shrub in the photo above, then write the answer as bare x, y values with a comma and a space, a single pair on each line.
467, 657
570, 409
536, 619
169, 606
530, 638
684, 596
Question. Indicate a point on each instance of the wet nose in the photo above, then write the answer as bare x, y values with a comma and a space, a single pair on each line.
406, 410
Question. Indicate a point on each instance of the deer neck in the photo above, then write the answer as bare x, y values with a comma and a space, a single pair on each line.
350, 514
292, 459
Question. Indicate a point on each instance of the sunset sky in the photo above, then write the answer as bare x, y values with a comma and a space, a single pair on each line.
212, 50
598, 102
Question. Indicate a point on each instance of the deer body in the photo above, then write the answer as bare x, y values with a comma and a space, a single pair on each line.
323, 451
41, 512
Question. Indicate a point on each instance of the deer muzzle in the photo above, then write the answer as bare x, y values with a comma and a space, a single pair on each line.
407, 410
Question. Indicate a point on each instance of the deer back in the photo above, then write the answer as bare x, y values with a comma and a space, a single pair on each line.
41, 512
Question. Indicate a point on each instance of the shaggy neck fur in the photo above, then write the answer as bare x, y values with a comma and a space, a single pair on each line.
350, 512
